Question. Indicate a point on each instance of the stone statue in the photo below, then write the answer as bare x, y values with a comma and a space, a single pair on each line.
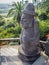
29, 38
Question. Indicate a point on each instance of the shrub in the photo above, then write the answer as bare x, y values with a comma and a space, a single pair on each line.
44, 29
43, 16
11, 32
1, 29
47, 11
36, 14
1, 17
10, 25
16, 31
2, 23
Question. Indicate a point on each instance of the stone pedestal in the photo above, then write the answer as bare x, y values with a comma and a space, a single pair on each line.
28, 58
29, 39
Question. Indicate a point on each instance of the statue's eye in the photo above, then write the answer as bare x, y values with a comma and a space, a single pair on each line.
24, 20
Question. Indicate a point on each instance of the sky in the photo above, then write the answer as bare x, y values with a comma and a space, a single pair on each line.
10, 1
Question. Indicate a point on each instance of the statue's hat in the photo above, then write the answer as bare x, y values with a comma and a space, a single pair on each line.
29, 9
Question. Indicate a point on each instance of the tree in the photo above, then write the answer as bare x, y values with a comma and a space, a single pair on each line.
36, 2
16, 11
44, 4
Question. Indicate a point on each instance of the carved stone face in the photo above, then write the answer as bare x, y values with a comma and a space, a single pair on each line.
26, 21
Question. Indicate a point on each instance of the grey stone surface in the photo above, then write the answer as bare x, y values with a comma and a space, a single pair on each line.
42, 60
29, 9
9, 56
29, 38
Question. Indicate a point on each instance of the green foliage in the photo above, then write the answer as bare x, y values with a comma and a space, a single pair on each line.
10, 32
47, 11
43, 5
1, 17
44, 28
1, 29
43, 16
2, 23
16, 11
10, 25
